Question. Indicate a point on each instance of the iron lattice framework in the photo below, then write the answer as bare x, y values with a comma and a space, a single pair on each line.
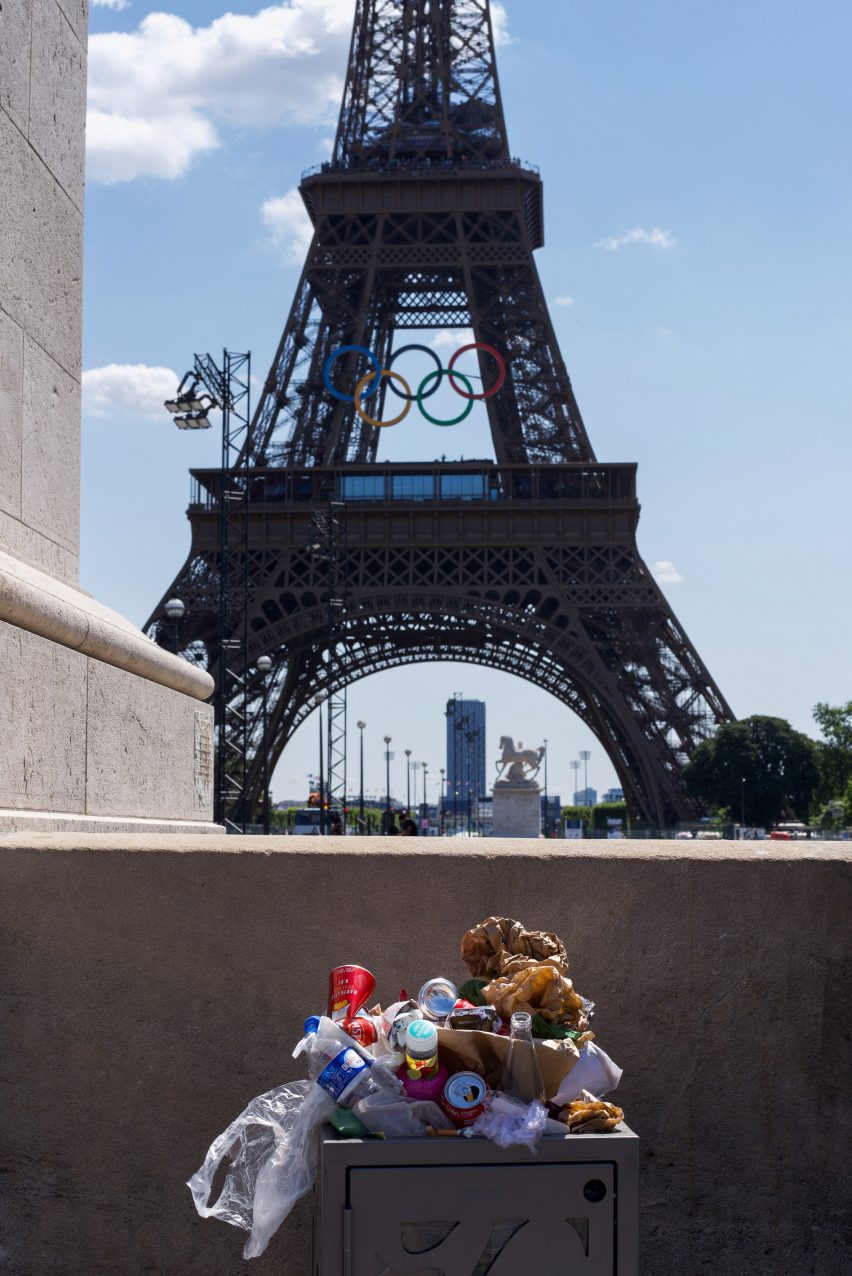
422, 219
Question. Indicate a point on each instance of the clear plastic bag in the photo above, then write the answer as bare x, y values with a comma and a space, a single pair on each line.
399, 1117
272, 1150
509, 1123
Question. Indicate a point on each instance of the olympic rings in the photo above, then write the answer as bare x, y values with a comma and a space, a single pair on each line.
373, 380
466, 411
408, 396
501, 370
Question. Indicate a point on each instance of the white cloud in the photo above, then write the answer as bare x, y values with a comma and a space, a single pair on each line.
564, 300
452, 338
128, 390
156, 94
117, 5
289, 224
655, 238
666, 573
500, 23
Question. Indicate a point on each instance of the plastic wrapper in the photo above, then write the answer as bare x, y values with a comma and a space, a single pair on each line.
271, 1148
511, 1124
397, 1117
594, 1071
491, 948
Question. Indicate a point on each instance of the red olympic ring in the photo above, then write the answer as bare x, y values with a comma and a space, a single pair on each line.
501, 370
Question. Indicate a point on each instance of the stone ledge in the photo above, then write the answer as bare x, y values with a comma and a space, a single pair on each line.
26, 823
40, 604
391, 850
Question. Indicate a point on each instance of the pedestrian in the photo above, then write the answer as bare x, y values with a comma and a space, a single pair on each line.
409, 828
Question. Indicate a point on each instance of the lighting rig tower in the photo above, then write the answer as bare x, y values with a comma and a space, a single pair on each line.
204, 388
327, 544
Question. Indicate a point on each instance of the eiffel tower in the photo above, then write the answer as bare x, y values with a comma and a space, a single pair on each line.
423, 219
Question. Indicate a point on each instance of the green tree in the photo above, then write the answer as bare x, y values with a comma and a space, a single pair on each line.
759, 766
834, 751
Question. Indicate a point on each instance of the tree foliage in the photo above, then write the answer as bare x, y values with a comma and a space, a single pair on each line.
760, 768
834, 751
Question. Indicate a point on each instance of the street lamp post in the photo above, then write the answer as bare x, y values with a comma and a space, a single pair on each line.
584, 758
742, 802
425, 816
263, 665
443, 792
361, 726
175, 609
546, 806
408, 782
387, 739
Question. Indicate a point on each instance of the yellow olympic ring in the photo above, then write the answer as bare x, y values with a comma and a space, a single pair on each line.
362, 385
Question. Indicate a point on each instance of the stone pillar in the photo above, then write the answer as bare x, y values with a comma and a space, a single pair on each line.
517, 809
101, 729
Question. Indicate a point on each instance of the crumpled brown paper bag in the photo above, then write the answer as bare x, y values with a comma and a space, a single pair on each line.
484, 1052
537, 988
494, 946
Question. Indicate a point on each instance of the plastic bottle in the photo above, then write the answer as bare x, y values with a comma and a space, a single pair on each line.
339, 1065
521, 1076
422, 1075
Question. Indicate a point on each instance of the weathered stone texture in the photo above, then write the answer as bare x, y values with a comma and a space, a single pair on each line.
40, 251
82, 737
58, 104
11, 414
132, 765
50, 449
152, 986
15, 39
43, 723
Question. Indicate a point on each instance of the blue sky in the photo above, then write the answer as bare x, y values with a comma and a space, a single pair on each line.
697, 210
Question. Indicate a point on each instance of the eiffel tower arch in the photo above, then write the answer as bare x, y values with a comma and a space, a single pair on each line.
528, 564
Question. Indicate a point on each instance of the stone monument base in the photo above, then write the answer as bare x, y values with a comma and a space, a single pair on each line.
102, 731
517, 809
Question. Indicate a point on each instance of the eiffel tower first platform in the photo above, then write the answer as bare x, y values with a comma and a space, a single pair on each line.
528, 564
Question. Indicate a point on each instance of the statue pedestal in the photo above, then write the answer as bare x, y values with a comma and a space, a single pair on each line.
517, 809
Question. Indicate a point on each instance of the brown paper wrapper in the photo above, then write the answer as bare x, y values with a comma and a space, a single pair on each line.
484, 1052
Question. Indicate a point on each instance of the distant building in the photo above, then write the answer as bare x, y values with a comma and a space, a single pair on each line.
586, 797
551, 814
465, 756
613, 795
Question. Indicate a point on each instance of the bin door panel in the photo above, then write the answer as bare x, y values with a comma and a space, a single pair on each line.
493, 1220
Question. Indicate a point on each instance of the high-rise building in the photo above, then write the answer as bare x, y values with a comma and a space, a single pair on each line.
465, 756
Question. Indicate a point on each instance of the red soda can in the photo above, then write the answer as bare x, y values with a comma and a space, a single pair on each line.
348, 990
463, 1099
361, 1029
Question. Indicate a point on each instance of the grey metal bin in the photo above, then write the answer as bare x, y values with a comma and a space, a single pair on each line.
464, 1207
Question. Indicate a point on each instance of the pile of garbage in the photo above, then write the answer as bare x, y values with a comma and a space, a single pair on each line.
508, 1055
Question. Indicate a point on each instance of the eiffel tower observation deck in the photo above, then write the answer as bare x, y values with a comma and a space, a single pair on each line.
346, 566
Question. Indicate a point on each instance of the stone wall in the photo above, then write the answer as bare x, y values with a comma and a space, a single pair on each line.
151, 986
42, 105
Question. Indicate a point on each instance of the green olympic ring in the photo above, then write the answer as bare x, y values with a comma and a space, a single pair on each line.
468, 408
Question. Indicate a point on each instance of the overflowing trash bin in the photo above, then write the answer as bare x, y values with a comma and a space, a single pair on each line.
466, 1123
